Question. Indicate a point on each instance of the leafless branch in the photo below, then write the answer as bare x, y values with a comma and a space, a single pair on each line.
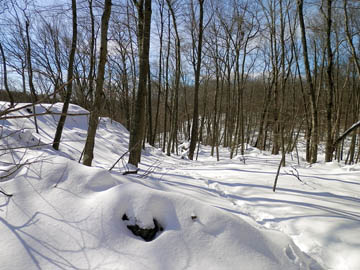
6, 194
13, 170
10, 110
294, 172
123, 155
151, 169
41, 114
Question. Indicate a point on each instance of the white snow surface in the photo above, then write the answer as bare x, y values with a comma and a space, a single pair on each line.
215, 214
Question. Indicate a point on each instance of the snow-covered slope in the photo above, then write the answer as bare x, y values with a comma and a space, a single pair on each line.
215, 215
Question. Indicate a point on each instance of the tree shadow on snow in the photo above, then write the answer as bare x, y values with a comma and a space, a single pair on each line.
38, 249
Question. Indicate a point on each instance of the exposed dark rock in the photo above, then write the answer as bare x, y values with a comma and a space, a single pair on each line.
148, 234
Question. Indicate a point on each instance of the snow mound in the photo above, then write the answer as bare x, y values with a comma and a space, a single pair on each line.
74, 221
195, 236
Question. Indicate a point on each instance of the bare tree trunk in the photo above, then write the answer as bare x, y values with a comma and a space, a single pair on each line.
350, 39
174, 126
70, 75
91, 75
5, 76
149, 109
138, 126
195, 123
30, 72
29, 63
311, 92
166, 88
161, 34
95, 111
217, 74
329, 108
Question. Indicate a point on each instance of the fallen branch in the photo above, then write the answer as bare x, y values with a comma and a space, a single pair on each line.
118, 160
122, 156
151, 169
6, 194
35, 145
41, 114
14, 170
294, 172
347, 132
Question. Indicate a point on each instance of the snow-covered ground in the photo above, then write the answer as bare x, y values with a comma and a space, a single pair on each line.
215, 215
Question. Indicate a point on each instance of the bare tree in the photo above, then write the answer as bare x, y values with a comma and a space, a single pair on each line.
70, 75
311, 90
5, 76
174, 127
138, 126
330, 93
197, 50
99, 92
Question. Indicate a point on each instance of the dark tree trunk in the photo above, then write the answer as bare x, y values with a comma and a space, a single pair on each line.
70, 75
30, 73
98, 101
311, 92
138, 126
149, 109
5, 76
195, 122
329, 108
161, 10
174, 126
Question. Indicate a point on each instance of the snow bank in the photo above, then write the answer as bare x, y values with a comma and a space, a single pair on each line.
215, 215
66, 216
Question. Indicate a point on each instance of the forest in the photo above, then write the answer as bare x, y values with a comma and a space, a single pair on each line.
272, 74
180, 134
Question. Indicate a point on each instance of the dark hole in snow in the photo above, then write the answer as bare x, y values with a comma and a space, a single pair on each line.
148, 234
28, 110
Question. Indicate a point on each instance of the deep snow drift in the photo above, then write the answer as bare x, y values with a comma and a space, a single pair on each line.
215, 215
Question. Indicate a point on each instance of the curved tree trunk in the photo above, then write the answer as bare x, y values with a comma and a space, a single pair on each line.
70, 75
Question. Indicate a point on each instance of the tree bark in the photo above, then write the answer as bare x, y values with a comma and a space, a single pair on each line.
195, 122
99, 94
329, 108
350, 40
70, 75
30, 72
311, 91
174, 126
161, 34
138, 126
5, 76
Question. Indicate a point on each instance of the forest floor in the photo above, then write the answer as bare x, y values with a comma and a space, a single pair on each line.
214, 214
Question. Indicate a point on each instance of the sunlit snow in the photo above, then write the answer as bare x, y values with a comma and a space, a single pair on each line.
215, 215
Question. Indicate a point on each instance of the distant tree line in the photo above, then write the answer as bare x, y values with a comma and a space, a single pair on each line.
232, 73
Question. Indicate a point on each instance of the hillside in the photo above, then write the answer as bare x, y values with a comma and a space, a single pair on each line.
214, 215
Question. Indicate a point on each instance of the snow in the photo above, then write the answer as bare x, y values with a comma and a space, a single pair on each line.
215, 215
